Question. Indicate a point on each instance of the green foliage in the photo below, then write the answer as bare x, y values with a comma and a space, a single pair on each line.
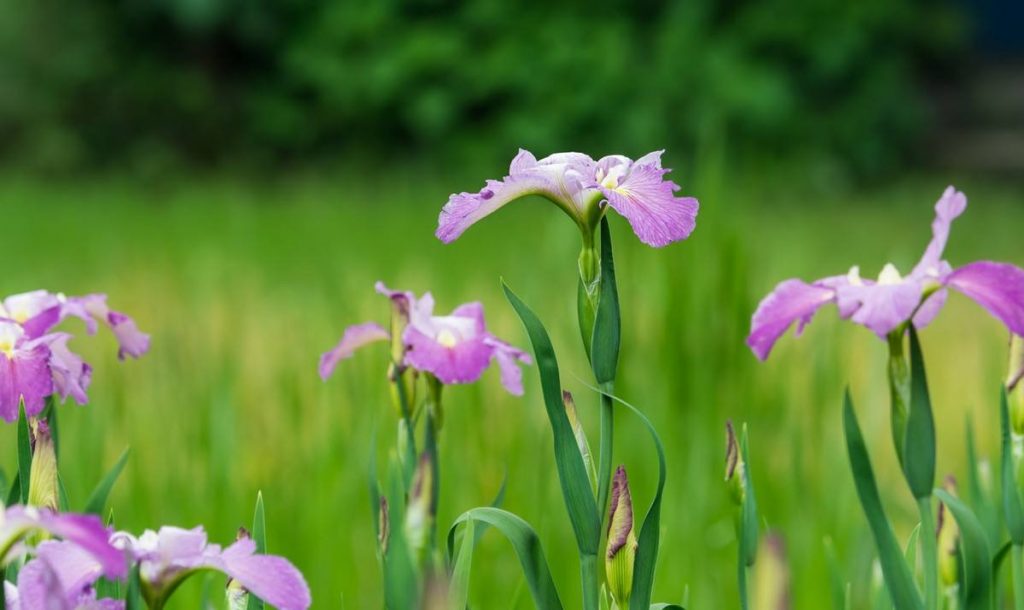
919, 442
156, 82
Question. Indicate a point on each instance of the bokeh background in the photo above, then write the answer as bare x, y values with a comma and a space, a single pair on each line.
237, 174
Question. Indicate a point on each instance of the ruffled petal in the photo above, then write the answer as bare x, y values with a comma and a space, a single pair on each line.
791, 301
508, 359
93, 308
71, 376
998, 287
462, 360
648, 202
949, 207
273, 579
24, 375
353, 338
38, 311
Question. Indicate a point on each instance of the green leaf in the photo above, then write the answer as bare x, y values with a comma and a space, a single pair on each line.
751, 522
974, 553
3, 486
14, 493
98, 500
572, 472
259, 536
63, 505
898, 577
1012, 509
1000, 556
981, 500
24, 454
919, 442
133, 599
527, 546
650, 531
458, 590
51, 420
607, 325
401, 584
910, 550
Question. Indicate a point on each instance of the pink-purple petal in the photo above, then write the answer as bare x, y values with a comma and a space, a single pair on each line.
998, 287
791, 301
273, 579
951, 205
88, 533
508, 359
463, 362
24, 375
882, 307
465, 209
352, 339
649, 203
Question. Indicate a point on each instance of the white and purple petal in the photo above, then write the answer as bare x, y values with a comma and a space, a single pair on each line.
998, 287
648, 201
508, 359
951, 205
352, 339
881, 307
792, 301
271, 578
24, 373
71, 375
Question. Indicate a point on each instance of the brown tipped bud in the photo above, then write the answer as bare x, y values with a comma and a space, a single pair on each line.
771, 576
581, 436
622, 543
383, 526
948, 536
43, 486
734, 466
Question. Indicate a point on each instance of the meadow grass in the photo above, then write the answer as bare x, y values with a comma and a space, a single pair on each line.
244, 284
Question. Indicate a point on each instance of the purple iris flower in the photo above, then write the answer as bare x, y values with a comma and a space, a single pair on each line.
170, 555
885, 305
584, 188
36, 362
60, 577
455, 348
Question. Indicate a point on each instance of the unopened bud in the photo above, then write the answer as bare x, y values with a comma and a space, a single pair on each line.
419, 517
237, 595
580, 434
948, 539
383, 526
735, 468
771, 576
1014, 387
622, 543
42, 491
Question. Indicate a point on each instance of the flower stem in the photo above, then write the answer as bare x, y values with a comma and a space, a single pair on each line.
1018, 577
591, 588
899, 390
929, 553
604, 468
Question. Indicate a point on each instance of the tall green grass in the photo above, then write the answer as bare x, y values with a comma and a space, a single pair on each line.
243, 285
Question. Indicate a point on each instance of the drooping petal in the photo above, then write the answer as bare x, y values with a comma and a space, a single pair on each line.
402, 299
93, 308
88, 533
949, 207
352, 339
648, 201
71, 376
273, 579
465, 209
40, 588
38, 311
61, 572
24, 374
508, 358
998, 287
882, 307
791, 301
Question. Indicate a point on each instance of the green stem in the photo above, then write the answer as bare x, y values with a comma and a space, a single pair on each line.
929, 553
899, 390
604, 468
589, 576
1018, 577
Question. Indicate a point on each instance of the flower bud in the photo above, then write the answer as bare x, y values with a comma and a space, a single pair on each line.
1014, 387
735, 468
948, 536
43, 485
622, 543
581, 436
237, 595
383, 526
419, 516
771, 576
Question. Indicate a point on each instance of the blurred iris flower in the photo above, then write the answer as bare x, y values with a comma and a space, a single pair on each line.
885, 305
60, 577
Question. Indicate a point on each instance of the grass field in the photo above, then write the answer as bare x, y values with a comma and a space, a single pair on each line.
243, 285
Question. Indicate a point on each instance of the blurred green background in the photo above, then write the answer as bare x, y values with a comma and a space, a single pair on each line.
236, 175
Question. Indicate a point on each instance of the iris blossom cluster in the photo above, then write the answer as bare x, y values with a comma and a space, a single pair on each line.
35, 361
889, 303
455, 348
59, 574
584, 189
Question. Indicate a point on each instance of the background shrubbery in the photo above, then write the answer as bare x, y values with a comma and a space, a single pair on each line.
155, 83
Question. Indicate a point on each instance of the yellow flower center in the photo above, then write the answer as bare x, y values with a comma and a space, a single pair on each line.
9, 335
447, 338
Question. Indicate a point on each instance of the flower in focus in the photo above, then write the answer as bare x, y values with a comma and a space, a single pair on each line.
36, 362
622, 543
885, 305
584, 189
455, 348
61, 577
170, 555
84, 532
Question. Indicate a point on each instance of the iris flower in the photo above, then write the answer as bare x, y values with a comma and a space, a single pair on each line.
36, 362
61, 577
584, 189
169, 556
455, 348
886, 305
